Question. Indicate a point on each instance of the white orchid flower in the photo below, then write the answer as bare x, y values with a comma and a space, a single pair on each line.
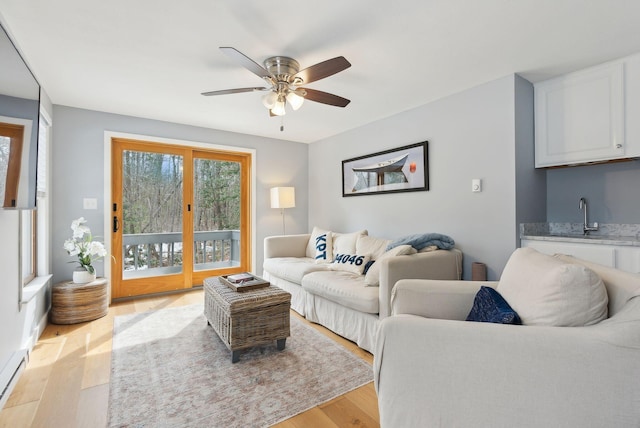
79, 229
97, 249
82, 245
71, 247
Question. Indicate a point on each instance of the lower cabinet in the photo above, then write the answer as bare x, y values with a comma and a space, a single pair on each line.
626, 258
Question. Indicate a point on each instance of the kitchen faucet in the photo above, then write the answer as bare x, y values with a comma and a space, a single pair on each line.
585, 227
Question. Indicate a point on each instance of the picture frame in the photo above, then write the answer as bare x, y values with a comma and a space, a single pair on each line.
403, 169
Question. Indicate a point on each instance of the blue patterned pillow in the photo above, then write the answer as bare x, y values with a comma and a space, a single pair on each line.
490, 306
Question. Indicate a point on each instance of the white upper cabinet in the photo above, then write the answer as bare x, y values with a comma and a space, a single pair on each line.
588, 116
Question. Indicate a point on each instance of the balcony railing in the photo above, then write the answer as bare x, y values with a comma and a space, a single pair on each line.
150, 254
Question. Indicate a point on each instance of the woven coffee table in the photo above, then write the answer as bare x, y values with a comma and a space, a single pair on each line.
248, 318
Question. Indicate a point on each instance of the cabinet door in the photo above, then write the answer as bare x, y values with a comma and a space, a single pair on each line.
628, 259
604, 255
579, 117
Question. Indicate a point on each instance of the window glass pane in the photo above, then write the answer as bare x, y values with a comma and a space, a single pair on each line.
27, 245
41, 181
5, 151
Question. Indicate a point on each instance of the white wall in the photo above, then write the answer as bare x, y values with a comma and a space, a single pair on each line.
11, 319
21, 325
78, 172
471, 135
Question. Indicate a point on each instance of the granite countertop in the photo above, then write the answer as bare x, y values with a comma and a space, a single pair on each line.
607, 234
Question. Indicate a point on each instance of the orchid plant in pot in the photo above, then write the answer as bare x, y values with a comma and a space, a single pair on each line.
82, 246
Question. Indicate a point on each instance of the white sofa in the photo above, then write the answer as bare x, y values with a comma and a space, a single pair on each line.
342, 300
433, 369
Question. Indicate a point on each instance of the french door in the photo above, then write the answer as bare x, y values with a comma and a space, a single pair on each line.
179, 214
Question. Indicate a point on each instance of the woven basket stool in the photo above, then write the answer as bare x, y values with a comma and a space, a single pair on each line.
75, 303
247, 318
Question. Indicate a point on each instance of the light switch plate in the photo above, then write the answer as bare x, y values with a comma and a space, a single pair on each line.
476, 185
90, 203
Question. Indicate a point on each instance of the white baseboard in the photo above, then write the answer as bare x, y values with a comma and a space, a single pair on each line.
11, 373
15, 366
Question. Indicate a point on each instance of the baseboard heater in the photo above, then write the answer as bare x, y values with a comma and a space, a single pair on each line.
11, 373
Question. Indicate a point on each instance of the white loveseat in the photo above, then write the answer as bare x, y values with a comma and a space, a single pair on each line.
434, 369
348, 302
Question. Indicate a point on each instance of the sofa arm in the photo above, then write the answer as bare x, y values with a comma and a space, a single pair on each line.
286, 246
440, 264
450, 300
431, 372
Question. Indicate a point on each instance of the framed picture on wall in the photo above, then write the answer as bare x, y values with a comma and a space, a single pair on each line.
405, 169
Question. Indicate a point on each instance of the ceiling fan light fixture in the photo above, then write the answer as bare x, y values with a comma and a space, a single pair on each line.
295, 100
284, 77
278, 108
269, 99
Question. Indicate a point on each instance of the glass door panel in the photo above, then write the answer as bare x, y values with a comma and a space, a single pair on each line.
216, 214
152, 220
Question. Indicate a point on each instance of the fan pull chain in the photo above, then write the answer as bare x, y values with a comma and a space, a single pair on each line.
281, 123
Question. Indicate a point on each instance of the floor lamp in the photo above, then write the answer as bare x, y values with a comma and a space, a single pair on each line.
283, 197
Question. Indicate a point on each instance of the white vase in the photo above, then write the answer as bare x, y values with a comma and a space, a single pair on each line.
82, 276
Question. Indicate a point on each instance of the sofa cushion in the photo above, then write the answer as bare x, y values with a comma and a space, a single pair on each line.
546, 291
344, 288
372, 277
345, 243
311, 245
621, 286
490, 306
292, 268
351, 262
370, 245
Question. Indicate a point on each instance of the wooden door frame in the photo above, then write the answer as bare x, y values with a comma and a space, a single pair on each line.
107, 190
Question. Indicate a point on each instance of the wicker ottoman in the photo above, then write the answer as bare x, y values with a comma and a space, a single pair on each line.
248, 318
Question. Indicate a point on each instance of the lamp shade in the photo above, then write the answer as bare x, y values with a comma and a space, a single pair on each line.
294, 100
269, 99
278, 108
283, 197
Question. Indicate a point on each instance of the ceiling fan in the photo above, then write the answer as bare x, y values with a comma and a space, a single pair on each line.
284, 77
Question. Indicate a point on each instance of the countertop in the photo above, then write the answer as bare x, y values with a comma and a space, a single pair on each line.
586, 239
608, 234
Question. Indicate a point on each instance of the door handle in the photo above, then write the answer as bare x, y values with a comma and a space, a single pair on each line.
116, 225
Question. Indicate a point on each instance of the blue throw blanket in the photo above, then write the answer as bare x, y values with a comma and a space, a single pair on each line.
424, 240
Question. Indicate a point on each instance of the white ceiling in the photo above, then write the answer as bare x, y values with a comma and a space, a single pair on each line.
153, 58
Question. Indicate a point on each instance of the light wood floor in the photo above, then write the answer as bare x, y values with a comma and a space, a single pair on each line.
66, 382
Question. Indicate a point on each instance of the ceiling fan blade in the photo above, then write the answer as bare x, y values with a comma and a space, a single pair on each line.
325, 98
246, 62
233, 91
323, 69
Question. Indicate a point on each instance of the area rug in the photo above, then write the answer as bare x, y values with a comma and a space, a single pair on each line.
170, 369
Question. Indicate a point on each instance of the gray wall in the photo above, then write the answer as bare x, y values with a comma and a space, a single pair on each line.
612, 192
78, 172
531, 183
471, 135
